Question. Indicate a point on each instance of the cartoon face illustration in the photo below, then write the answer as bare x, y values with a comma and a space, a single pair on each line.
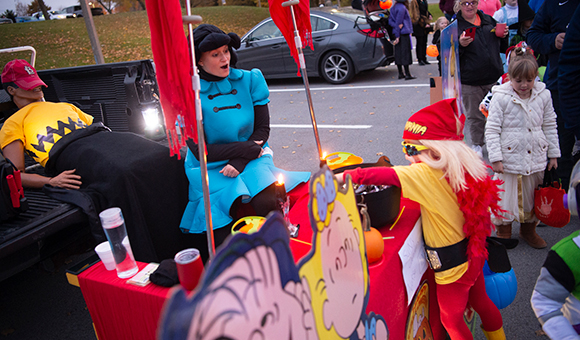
247, 301
336, 271
343, 272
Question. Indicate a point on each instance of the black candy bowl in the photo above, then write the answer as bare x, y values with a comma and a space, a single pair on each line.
383, 205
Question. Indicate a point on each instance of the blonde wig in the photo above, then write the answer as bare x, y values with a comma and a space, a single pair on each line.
455, 158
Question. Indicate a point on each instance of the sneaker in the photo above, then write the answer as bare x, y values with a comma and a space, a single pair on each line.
410, 77
478, 150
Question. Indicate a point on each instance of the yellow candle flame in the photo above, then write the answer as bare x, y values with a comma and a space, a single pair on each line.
280, 180
323, 155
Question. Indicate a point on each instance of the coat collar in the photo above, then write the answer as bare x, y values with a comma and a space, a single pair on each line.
507, 88
222, 86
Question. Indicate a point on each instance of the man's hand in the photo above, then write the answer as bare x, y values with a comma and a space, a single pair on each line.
396, 41
465, 40
229, 171
559, 40
67, 180
497, 167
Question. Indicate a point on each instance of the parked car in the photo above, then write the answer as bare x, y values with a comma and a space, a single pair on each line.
341, 48
25, 19
54, 15
6, 21
77, 11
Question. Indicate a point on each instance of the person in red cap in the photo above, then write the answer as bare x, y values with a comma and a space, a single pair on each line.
451, 184
109, 169
20, 131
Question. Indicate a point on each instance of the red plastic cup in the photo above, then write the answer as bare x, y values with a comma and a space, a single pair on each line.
500, 29
189, 267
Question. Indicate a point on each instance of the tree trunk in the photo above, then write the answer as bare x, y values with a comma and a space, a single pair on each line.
104, 6
43, 9
142, 3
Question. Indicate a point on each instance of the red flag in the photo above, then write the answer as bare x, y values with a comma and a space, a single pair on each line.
282, 17
173, 66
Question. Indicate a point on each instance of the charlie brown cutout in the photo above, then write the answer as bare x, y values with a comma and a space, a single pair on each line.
253, 290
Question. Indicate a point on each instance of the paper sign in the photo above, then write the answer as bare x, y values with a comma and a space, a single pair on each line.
412, 256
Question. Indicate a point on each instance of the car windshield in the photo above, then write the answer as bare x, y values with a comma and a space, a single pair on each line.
267, 31
351, 14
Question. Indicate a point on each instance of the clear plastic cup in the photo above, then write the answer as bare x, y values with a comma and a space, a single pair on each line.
114, 226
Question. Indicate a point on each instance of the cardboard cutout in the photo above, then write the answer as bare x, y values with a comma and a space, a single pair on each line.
253, 289
451, 78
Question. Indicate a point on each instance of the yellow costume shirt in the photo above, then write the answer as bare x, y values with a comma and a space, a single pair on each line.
40, 125
441, 217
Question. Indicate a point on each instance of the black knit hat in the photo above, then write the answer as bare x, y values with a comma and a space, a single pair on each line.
208, 37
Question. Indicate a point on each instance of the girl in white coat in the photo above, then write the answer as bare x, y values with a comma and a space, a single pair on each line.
521, 137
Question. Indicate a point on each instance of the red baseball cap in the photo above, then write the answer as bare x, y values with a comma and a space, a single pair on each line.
439, 121
20, 72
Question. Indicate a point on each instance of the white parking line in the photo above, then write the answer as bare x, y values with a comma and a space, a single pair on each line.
322, 126
300, 89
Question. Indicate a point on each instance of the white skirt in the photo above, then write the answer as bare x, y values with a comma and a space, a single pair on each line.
517, 197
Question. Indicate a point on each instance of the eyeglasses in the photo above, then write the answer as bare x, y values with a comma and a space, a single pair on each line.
412, 149
472, 3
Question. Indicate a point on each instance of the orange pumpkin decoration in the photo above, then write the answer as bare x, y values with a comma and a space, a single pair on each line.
385, 4
432, 51
375, 245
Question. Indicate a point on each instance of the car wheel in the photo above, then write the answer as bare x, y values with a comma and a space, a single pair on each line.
336, 67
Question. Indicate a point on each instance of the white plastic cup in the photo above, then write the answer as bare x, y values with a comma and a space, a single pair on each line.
106, 255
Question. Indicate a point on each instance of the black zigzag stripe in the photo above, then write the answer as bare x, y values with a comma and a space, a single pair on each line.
50, 132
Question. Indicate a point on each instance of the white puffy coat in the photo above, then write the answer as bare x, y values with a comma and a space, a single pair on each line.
522, 136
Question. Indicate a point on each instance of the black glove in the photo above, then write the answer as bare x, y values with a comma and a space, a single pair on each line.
166, 274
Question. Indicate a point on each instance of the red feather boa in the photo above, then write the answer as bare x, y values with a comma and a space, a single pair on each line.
476, 202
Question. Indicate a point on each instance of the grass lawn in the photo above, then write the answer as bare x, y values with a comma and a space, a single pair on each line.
123, 37
435, 11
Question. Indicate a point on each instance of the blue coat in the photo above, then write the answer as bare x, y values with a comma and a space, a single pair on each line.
569, 75
400, 15
552, 19
228, 116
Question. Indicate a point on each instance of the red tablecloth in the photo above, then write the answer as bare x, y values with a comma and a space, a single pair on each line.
123, 311
120, 310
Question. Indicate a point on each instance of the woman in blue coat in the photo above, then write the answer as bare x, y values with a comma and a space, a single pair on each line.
400, 21
237, 126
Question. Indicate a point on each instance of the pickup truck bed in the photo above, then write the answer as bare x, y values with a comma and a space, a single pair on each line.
114, 94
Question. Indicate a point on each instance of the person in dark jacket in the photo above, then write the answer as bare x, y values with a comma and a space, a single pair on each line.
421, 31
440, 24
546, 36
400, 21
479, 64
569, 78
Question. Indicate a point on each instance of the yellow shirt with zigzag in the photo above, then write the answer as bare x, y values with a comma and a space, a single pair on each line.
40, 125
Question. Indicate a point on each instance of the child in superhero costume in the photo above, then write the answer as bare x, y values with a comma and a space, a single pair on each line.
456, 194
555, 299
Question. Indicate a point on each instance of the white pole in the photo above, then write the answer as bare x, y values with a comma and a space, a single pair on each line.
190, 20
